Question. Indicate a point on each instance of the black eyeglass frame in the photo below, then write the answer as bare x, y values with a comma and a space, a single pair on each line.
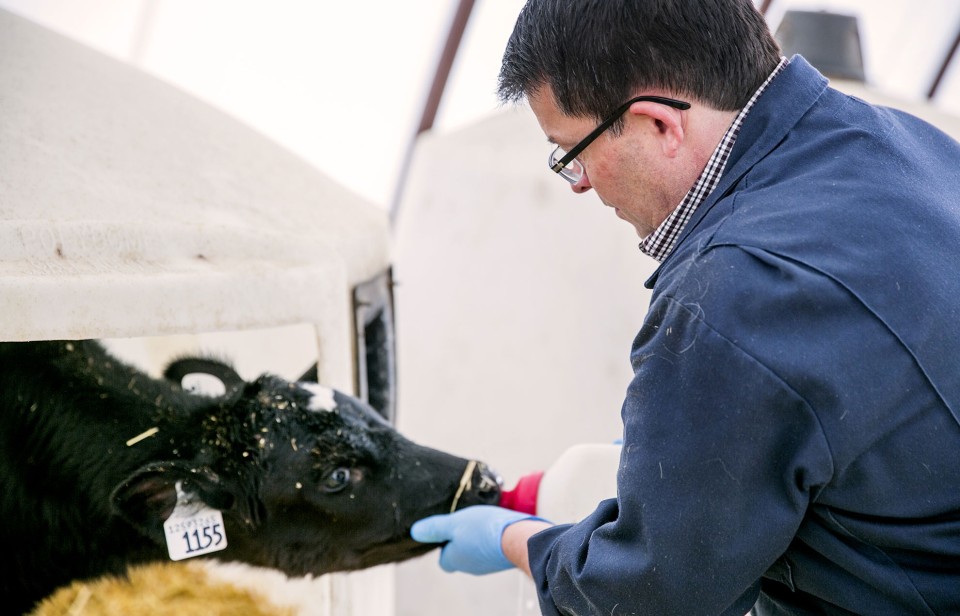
613, 117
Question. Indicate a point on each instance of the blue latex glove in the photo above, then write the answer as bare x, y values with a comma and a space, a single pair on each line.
473, 537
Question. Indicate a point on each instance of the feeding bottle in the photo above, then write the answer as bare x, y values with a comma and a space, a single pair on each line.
571, 487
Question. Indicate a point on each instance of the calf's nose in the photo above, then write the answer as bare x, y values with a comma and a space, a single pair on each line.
479, 485
488, 484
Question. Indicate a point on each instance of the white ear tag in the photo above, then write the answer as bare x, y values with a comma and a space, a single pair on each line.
193, 528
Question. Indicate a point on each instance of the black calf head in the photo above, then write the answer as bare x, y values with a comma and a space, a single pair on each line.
309, 480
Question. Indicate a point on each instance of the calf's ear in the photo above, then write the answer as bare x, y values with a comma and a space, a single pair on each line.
147, 497
194, 373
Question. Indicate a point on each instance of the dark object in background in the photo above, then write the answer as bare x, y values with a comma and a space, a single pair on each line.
829, 41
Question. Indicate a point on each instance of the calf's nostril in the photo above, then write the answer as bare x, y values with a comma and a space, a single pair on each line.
488, 483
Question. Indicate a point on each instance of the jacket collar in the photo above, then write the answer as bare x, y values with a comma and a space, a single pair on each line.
788, 97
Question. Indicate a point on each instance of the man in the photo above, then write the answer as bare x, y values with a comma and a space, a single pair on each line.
791, 435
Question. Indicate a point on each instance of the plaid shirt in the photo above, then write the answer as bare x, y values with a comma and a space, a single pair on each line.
660, 243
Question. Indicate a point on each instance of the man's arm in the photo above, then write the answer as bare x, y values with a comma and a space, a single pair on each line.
514, 541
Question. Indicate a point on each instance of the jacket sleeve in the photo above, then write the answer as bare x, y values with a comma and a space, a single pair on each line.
721, 458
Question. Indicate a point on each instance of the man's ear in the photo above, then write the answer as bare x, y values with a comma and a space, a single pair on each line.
667, 121
147, 497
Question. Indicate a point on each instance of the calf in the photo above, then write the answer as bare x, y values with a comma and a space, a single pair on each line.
95, 456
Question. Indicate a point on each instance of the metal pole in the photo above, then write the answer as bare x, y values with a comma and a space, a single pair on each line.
943, 67
454, 37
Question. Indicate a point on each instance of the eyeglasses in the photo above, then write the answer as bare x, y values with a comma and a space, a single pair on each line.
566, 163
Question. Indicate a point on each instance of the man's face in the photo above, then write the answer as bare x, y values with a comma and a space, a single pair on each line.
628, 171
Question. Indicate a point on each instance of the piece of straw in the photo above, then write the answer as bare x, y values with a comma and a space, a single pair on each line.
465, 482
144, 435
83, 596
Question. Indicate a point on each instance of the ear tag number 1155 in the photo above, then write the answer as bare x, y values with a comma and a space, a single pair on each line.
193, 529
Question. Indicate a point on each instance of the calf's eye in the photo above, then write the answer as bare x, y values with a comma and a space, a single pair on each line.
336, 481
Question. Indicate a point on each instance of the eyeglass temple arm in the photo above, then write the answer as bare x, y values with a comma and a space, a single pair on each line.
613, 117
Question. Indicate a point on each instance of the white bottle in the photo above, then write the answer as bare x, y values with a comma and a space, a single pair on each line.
568, 491
571, 488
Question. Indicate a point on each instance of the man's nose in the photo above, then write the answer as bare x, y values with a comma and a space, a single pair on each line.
582, 185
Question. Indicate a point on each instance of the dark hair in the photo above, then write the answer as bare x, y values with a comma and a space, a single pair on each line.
595, 54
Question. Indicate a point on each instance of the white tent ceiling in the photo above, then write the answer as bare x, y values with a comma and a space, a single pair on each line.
343, 83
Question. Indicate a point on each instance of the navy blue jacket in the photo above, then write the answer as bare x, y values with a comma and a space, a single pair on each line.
791, 433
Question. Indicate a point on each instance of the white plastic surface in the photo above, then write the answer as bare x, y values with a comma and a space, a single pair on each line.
575, 484
127, 207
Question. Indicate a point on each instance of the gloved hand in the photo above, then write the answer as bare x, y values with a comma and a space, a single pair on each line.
473, 537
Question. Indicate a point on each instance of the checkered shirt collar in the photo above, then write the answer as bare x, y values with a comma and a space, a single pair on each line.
662, 241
